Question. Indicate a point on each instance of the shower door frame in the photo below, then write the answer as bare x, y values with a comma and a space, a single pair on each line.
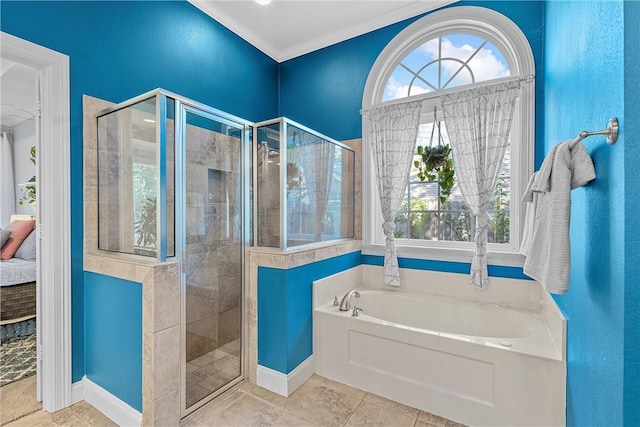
182, 107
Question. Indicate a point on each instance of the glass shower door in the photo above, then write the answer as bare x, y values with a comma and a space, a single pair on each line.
212, 245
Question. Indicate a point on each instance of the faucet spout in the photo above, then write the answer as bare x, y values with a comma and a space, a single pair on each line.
345, 303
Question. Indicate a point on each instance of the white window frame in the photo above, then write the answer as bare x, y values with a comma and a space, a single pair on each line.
513, 44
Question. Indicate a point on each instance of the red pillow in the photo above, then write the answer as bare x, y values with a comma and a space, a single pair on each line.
20, 229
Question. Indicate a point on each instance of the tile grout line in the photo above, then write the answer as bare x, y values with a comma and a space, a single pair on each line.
362, 399
19, 417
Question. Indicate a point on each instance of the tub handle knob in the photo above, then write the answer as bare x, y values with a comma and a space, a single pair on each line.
355, 311
335, 300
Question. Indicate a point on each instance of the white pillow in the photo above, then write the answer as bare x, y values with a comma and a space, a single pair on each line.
4, 236
27, 250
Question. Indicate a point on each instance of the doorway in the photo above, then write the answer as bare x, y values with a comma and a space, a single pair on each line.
19, 100
52, 214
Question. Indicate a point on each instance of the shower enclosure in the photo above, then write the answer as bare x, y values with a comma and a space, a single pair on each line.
172, 175
312, 198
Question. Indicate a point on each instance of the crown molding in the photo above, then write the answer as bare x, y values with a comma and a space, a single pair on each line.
303, 47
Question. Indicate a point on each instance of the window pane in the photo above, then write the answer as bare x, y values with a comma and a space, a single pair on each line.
446, 62
398, 84
402, 225
423, 216
489, 64
458, 226
461, 46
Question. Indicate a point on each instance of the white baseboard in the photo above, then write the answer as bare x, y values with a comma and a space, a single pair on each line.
115, 409
77, 391
285, 384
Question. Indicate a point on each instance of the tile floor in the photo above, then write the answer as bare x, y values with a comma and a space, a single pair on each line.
81, 414
209, 372
18, 399
318, 402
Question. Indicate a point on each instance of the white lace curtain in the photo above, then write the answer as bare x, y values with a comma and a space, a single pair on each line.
7, 183
391, 131
317, 158
479, 123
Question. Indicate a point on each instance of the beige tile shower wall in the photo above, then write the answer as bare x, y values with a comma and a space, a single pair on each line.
170, 183
213, 241
91, 106
268, 200
202, 264
356, 146
116, 174
160, 293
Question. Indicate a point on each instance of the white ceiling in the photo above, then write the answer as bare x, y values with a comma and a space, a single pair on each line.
17, 93
286, 29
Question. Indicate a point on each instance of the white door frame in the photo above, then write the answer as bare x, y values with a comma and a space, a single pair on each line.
53, 218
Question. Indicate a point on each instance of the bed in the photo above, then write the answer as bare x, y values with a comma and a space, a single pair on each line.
17, 289
18, 278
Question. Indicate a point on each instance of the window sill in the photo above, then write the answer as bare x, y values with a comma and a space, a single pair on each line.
501, 258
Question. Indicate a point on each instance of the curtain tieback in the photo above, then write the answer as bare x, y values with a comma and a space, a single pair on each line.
483, 219
388, 227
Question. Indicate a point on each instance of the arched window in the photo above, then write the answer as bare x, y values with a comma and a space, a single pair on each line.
440, 53
444, 62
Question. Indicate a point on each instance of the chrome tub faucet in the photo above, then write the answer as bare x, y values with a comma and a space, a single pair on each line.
345, 303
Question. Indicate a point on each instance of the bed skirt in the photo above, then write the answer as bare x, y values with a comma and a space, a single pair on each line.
18, 328
17, 301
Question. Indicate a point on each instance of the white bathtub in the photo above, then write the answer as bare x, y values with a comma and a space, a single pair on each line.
478, 363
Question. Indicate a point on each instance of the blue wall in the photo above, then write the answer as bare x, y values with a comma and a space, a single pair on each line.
447, 266
631, 414
113, 342
589, 72
119, 50
285, 322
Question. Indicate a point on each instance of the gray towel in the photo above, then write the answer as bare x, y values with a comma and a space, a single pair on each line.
545, 240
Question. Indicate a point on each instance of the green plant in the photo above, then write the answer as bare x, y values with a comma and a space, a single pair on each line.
416, 217
29, 190
436, 164
146, 226
458, 220
293, 177
501, 221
